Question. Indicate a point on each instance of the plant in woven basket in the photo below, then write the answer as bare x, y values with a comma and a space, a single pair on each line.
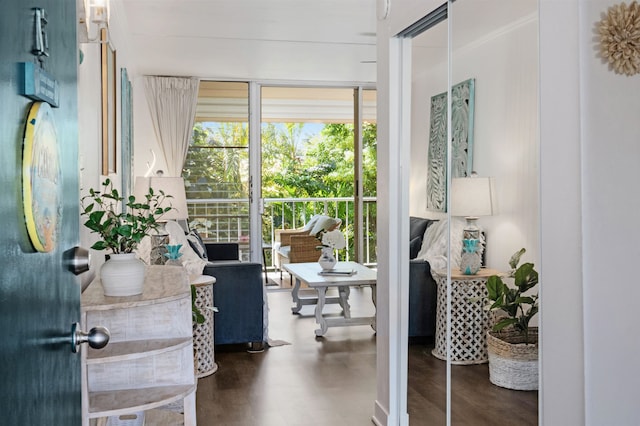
518, 308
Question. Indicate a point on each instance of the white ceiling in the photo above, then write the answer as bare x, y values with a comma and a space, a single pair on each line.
322, 40
295, 40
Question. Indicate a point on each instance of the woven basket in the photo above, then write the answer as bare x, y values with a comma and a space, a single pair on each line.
512, 363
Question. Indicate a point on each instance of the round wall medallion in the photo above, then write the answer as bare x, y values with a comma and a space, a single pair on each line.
41, 178
620, 38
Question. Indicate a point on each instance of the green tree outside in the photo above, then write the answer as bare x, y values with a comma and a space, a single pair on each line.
294, 165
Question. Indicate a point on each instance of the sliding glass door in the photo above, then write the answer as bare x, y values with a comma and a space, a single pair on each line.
216, 171
308, 155
317, 160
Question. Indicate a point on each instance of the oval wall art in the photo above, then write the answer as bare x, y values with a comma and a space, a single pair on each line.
41, 178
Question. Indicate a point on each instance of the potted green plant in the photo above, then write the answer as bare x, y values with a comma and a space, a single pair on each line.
512, 344
120, 231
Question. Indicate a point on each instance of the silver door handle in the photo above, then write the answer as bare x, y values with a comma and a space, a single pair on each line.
97, 337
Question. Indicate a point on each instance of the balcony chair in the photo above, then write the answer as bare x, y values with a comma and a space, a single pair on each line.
300, 245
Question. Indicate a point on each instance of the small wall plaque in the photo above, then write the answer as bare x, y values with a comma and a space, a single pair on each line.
39, 85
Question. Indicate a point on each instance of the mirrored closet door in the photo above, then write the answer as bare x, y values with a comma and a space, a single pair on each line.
474, 112
494, 52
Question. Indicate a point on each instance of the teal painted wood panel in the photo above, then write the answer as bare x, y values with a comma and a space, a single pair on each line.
39, 298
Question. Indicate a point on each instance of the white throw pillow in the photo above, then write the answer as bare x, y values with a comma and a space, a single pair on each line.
312, 222
325, 223
190, 259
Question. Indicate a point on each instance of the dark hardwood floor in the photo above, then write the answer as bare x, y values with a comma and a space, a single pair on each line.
331, 380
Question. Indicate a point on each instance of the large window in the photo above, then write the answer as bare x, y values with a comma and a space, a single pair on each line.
217, 168
311, 154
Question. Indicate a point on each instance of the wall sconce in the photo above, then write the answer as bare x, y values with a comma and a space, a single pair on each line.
95, 13
99, 12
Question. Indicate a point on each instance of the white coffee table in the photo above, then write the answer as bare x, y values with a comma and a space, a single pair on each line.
308, 273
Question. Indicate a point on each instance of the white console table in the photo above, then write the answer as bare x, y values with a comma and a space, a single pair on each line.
148, 362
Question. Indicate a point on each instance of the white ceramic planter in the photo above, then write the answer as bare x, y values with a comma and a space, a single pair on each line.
122, 275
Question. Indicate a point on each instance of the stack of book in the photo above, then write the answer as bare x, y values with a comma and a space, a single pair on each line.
337, 272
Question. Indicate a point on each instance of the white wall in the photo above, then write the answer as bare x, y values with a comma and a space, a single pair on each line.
90, 114
610, 209
89, 122
589, 133
561, 342
89, 136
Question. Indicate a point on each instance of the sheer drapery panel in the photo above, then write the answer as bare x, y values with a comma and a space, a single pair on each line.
172, 104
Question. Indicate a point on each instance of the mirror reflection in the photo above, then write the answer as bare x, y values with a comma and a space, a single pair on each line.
427, 380
490, 216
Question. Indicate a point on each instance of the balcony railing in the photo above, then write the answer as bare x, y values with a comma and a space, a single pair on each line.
224, 220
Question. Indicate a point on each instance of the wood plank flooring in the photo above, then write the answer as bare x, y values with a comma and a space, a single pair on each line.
331, 380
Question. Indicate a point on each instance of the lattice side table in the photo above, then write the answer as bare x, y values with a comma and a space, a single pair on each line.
469, 321
203, 339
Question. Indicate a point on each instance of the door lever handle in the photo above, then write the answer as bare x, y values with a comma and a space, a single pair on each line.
97, 337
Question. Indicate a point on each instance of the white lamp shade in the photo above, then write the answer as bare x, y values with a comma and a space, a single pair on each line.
473, 197
173, 186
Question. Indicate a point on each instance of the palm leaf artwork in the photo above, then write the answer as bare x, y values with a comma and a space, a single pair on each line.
462, 116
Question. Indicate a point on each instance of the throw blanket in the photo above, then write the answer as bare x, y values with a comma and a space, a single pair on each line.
434, 244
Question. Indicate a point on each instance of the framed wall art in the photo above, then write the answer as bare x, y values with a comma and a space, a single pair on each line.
126, 132
108, 75
462, 110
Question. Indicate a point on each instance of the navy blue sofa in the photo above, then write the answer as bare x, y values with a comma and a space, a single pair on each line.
238, 295
422, 286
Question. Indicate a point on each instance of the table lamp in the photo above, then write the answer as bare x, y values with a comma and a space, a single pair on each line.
173, 186
472, 197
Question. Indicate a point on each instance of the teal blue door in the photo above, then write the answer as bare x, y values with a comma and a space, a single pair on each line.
39, 297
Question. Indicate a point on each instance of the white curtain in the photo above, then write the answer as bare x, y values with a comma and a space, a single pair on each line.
172, 103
